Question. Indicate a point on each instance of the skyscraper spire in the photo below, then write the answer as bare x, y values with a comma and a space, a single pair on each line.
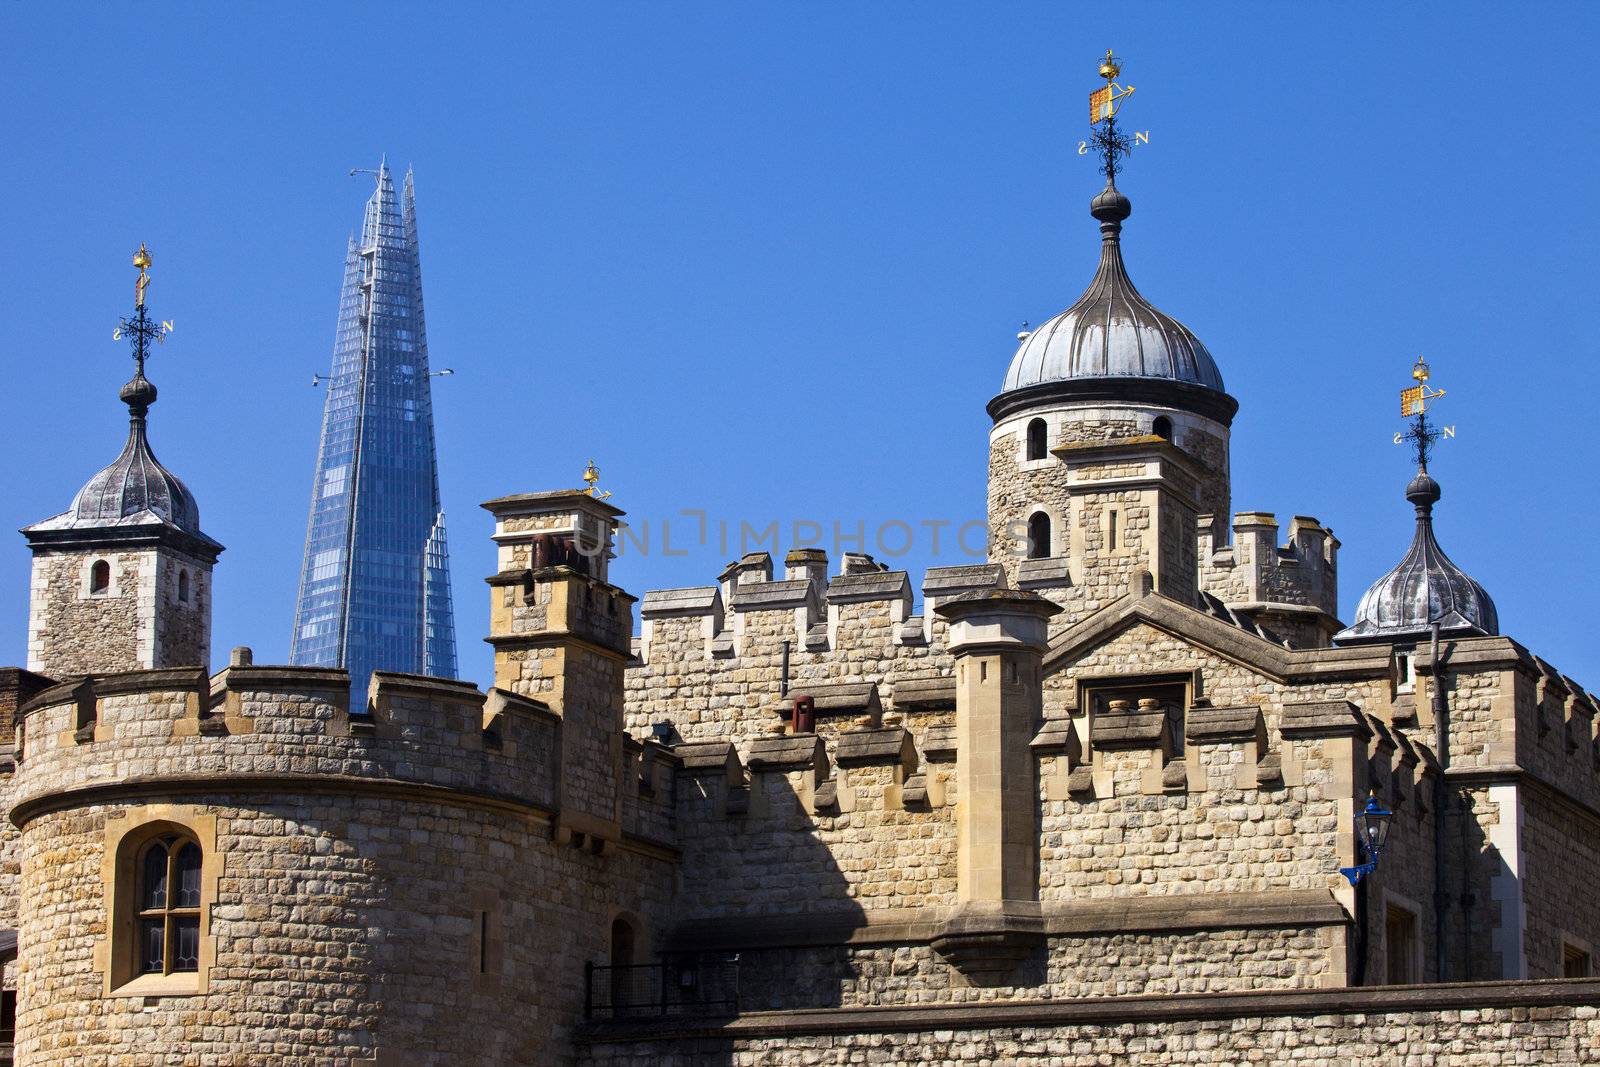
374, 585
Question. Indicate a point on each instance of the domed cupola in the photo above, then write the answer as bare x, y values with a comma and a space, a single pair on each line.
135, 491
135, 488
1424, 588
1113, 344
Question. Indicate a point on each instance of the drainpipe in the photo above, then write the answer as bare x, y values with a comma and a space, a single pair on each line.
1441, 747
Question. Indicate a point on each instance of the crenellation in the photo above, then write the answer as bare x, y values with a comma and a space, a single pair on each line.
1289, 589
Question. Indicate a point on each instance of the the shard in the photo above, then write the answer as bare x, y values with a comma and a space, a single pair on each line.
375, 583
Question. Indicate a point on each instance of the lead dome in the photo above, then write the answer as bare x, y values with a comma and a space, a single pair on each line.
1112, 331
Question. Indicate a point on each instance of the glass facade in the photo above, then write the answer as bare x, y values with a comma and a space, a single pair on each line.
375, 584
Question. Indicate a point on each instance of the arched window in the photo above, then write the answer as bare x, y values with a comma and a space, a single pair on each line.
1038, 535
99, 578
1037, 432
167, 906
1162, 427
183, 587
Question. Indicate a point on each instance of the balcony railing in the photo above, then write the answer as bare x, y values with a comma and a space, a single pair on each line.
702, 985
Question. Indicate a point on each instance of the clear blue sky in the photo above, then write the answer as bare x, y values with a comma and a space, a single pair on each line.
767, 261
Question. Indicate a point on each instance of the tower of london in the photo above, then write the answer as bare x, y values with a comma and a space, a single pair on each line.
1097, 799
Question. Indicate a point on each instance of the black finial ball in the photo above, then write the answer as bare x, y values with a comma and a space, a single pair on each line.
1423, 489
138, 393
1110, 205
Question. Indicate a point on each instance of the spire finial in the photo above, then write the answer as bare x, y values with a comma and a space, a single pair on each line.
1414, 405
1104, 103
141, 331
591, 482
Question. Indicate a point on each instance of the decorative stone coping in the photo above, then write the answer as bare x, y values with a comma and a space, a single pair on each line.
838, 698
889, 744
770, 596
1044, 573
869, 585
786, 752
1333, 718
925, 694
946, 581
669, 603
939, 744
707, 757
1208, 725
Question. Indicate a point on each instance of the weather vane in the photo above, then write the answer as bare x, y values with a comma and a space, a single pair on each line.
1104, 103
1414, 405
591, 482
141, 329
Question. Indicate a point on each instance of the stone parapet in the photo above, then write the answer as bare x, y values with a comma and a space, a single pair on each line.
1291, 588
287, 728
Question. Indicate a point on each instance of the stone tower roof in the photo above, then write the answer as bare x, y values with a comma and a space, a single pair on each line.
1423, 588
1113, 340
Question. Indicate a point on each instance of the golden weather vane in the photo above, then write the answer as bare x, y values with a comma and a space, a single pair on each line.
1104, 104
140, 329
1414, 405
591, 482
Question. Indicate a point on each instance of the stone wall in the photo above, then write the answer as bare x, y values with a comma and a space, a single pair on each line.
71, 632
385, 887
1447, 1026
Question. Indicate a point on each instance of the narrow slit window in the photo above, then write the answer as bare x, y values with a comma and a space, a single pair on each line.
1039, 536
1037, 433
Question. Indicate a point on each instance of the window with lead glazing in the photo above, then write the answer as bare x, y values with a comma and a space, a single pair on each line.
168, 906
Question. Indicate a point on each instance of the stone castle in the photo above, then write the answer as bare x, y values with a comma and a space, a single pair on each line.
1089, 804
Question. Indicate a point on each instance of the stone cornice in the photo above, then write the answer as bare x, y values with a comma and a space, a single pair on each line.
1375, 1001
1192, 911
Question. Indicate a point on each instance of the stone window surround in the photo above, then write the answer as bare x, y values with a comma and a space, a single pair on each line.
1059, 533
1052, 427
86, 590
1091, 687
116, 954
1566, 940
1399, 902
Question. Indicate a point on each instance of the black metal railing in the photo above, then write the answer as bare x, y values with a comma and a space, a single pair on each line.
699, 985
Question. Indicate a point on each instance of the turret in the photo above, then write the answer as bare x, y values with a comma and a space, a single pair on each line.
562, 635
122, 578
1110, 438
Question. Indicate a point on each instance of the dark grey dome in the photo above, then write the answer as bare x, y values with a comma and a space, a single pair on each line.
1424, 587
135, 491
1112, 331
135, 486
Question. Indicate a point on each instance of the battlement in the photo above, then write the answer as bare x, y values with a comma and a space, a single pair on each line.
1290, 583
269, 727
865, 600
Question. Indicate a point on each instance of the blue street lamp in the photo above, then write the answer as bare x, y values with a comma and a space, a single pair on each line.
1373, 831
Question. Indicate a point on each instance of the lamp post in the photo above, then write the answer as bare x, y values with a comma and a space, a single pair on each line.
1372, 831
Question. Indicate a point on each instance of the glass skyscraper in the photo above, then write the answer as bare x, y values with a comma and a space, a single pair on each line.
375, 584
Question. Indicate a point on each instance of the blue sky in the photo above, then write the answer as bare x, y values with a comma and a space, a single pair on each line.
767, 261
